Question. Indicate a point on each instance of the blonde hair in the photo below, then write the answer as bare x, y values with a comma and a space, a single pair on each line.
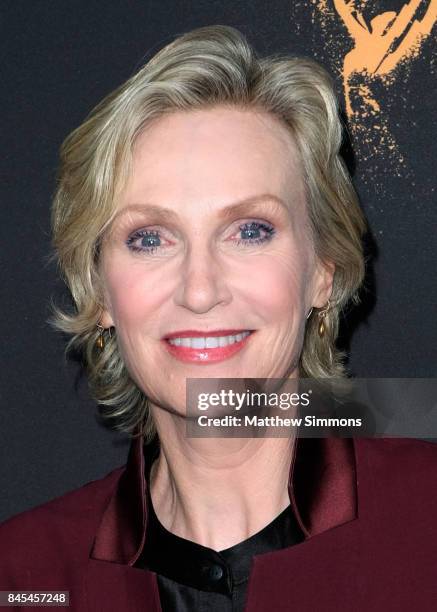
206, 67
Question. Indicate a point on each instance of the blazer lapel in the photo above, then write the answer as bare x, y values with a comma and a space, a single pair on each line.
121, 533
327, 569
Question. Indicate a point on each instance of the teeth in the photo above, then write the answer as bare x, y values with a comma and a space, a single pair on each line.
198, 343
202, 342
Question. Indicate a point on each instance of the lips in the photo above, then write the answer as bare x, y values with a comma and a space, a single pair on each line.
206, 355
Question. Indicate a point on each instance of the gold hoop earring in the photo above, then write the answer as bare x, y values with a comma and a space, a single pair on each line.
322, 315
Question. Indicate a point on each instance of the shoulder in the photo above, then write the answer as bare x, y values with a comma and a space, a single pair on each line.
384, 453
401, 469
68, 522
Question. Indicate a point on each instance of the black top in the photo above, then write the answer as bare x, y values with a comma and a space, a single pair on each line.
195, 578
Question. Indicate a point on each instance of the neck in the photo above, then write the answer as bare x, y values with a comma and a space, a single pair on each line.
217, 492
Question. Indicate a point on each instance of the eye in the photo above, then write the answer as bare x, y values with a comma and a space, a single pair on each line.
144, 241
255, 232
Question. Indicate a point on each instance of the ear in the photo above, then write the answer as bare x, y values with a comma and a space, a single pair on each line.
106, 319
322, 283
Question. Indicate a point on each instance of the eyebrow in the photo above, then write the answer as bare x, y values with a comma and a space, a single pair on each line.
241, 207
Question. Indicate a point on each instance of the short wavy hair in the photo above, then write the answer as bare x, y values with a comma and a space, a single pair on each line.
204, 68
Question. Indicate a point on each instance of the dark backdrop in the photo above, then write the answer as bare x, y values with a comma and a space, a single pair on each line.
59, 59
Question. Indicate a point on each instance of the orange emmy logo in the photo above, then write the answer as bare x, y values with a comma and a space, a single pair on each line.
373, 54
380, 46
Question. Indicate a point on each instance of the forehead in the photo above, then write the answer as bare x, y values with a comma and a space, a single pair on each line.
213, 157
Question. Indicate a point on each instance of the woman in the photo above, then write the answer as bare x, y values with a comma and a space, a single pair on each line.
207, 228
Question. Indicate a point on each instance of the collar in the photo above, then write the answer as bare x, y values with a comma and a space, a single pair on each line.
322, 488
204, 568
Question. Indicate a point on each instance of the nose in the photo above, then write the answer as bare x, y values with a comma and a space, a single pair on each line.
202, 282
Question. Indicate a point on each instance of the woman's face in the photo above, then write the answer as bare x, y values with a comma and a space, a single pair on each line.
210, 241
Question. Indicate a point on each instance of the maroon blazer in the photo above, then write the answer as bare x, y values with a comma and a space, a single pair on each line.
368, 509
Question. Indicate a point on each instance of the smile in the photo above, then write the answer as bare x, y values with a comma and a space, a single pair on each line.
206, 349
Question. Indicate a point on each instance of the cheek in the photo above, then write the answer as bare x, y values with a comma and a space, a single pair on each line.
277, 286
134, 296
